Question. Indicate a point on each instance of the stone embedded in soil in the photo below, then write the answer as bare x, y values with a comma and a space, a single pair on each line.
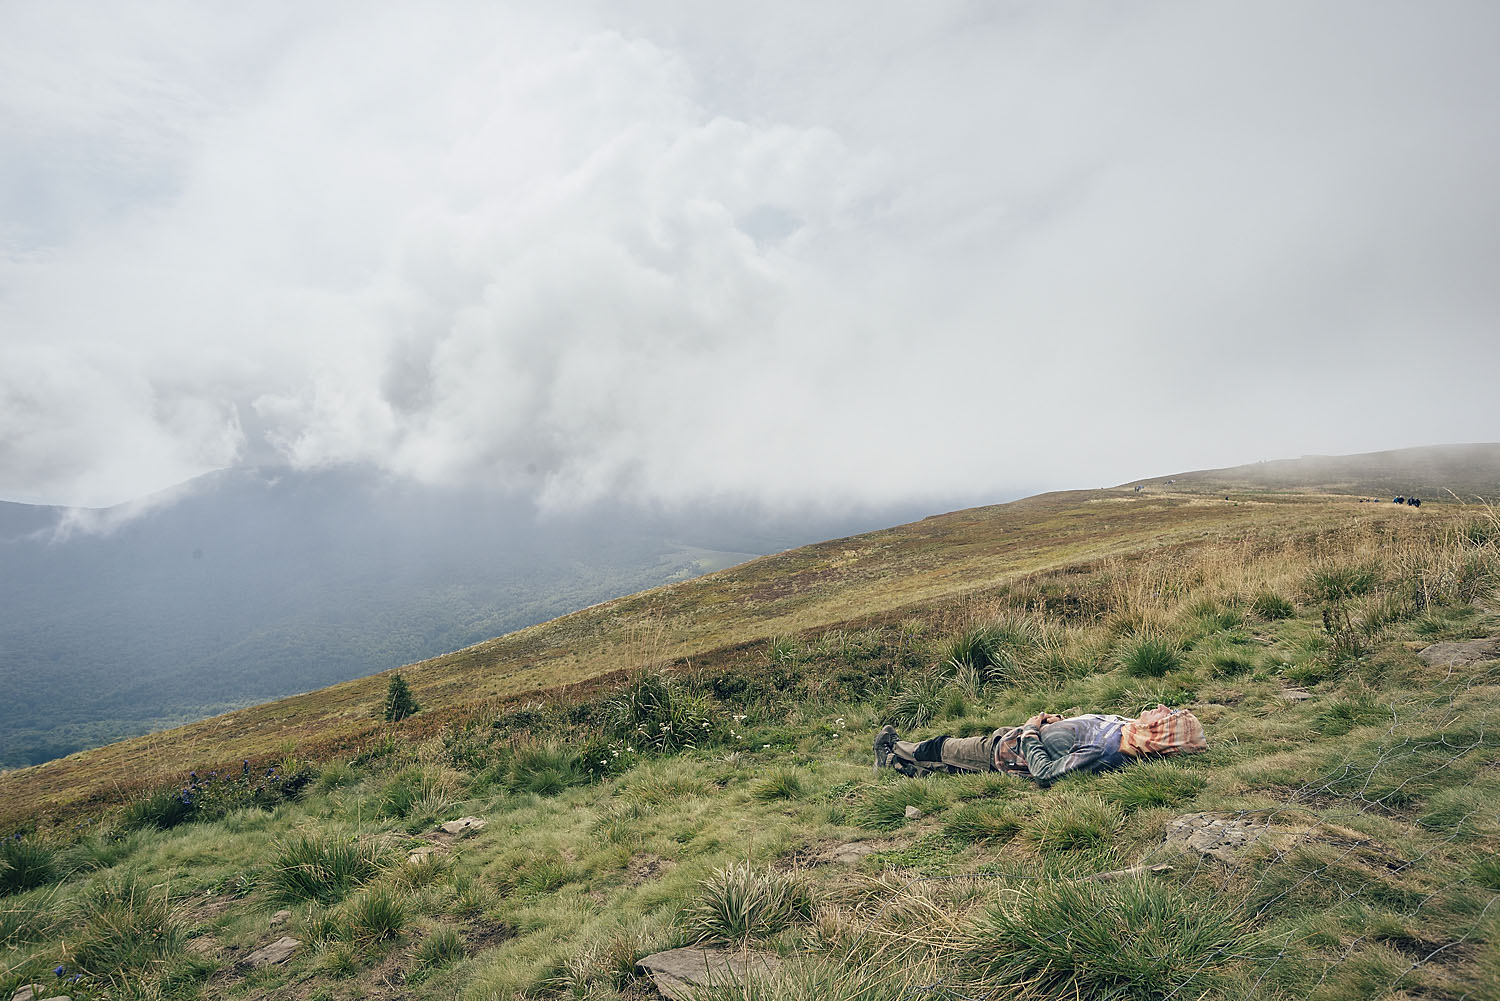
681, 974
280, 918
462, 826
912, 813
278, 951
853, 852
1295, 694
1461, 653
1215, 835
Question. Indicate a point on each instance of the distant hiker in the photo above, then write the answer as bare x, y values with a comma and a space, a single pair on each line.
1047, 746
1414, 501
1399, 500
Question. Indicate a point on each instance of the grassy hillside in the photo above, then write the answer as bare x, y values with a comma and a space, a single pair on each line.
707, 777
931, 567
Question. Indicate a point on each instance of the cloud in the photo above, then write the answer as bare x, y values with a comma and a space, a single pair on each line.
685, 252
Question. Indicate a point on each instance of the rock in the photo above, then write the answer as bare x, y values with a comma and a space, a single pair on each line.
1214, 835
280, 918
421, 854
681, 973
1461, 653
36, 992
912, 813
463, 825
278, 951
1295, 694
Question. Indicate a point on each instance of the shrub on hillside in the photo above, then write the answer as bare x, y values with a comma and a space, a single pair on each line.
656, 713
211, 796
399, 701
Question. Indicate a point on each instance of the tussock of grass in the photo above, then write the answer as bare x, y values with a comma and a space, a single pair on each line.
1074, 824
376, 914
975, 822
322, 868
1271, 606
919, 701
1150, 784
123, 927
780, 783
26, 863
1149, 655
1123, 940
884, 808
741, 902
1338, 581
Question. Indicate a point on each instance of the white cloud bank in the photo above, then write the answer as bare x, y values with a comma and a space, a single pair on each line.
870, 253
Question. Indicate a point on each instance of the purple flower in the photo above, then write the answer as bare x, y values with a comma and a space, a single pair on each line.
59, 971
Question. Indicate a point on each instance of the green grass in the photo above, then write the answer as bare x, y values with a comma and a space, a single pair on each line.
1123, 940
740, 902
884, 806
1149, 655
322, 868
25, 863
376, 914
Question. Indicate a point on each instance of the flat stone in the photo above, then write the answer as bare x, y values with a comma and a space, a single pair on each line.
1214, 835
421, 854
1295, 694
278, 951
463, 825
912, 813
1460, 653
681, 973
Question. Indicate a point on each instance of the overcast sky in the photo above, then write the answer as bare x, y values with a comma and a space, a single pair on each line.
833, 253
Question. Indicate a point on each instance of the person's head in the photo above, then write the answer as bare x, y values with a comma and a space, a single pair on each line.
1162, 731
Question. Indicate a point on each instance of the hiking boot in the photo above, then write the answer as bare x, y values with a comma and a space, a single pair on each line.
885, 743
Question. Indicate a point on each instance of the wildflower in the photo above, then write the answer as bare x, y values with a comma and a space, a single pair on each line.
59, 971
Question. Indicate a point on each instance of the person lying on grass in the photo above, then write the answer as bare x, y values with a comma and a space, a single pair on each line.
1048, 746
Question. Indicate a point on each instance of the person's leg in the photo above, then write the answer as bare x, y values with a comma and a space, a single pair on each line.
971, 754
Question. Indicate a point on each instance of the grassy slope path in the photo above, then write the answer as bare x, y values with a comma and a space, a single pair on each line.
928, 564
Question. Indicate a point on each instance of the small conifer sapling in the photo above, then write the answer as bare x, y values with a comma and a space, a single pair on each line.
399, 702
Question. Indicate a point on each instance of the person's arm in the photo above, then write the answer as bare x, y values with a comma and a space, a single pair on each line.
1046, 768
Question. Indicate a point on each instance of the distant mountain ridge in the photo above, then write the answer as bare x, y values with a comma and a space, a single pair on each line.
253, 584
1433, 472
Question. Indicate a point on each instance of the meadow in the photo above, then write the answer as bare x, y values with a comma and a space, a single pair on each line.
693, 765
